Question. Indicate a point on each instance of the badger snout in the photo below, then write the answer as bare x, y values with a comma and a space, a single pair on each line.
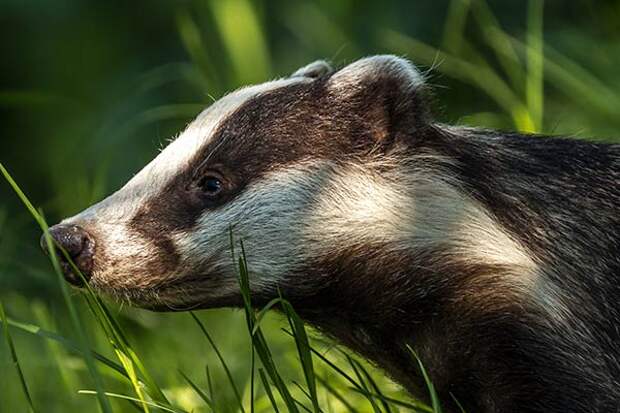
79, 245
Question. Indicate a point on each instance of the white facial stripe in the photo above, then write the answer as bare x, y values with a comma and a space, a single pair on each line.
122, 206
267, 216
312, 210
414, 210
180, 151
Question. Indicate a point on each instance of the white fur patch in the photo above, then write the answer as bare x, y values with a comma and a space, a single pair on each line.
413, 210
180, 151
267, 216
315, 209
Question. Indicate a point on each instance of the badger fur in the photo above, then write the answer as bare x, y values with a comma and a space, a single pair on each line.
495, 256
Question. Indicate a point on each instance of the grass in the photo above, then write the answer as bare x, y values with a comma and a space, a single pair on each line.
147, 395
18, 368
67, 351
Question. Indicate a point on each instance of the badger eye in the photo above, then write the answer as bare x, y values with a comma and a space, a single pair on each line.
210, 185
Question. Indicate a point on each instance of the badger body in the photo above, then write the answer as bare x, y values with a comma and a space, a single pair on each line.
494, 256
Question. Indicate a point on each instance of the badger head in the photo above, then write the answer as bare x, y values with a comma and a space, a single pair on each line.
297, 168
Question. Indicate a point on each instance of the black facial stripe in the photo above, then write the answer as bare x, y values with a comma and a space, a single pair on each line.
238, 160
270, 130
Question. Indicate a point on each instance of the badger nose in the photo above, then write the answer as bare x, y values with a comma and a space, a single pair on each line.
80, 247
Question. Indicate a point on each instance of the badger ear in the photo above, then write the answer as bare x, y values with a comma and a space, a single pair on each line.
387, 91
314, 70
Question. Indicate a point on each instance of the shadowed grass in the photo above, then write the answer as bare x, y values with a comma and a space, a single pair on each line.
534, 88
436, 404
259, 341
20, 373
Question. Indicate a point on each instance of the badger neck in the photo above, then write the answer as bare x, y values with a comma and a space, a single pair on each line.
408, 305
459, 272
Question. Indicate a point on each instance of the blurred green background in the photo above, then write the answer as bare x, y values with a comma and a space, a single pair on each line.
90, 90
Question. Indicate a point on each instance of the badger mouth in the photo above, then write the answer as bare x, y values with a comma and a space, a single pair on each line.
173, 294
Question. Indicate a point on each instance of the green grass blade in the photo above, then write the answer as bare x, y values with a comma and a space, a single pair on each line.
317, 29
103, 401
374, 386
58, 353
243, 37
303, 406
68, 344
414, 406
429, 384
454, 26
483, 78
127, 357
131, 362
198, 390
20, 373
303, 349
332, 365
504, 50
576, 82
331, 390
100, 313
308, 395
267, 387
458, 403
258, 339
221, 359
209, 383
263, 311
362, 383
133, 399
252, 373
192, 40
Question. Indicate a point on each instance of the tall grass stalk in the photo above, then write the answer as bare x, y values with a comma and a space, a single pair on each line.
104, 403
258, 339
13, 352
126, 355
231, 381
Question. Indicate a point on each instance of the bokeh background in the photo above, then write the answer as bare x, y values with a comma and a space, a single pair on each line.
90, 90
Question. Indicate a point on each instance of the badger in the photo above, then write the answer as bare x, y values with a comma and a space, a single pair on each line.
494, 256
